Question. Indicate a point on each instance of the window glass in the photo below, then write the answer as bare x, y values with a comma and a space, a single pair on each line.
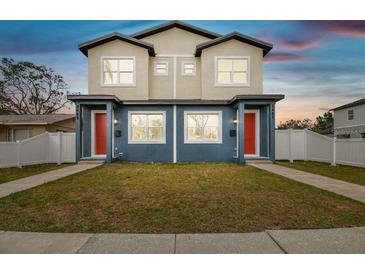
118, 71
239, 65
224, 65
110, 78
232, 71
350, 114
188, 68
21, 134
161, 68
224, 77
10, 135
126, 65
147, 127
126, 78
110, 65
202, 127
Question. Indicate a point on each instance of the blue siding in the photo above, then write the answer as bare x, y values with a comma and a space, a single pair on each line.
143, 152
264, 131
224, 152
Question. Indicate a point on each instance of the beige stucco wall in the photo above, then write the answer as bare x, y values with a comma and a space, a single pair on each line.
175, 41
119, 48
231, 48
188, 87
161, 86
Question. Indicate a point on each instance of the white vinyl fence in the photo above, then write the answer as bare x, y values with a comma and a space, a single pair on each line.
45, 148
307, 145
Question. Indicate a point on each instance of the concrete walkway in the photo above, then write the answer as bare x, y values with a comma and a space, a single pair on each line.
341, 240
352, 191
39, 179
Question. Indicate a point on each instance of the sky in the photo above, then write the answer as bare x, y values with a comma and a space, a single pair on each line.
317, 65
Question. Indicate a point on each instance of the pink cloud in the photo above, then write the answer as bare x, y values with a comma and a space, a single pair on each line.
299, 45
345, 28
283, 57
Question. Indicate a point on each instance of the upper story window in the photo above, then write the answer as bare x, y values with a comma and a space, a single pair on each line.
203, 127
350, 114
147, 127
118, 71
161, 68
188, 68
232, 71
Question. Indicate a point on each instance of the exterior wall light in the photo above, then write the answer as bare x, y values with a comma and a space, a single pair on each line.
235, 121
115, 121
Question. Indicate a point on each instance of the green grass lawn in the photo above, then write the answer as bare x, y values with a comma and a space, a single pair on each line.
14, 173
350, 174
176, 198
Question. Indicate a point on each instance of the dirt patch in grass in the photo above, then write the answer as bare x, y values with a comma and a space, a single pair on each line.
14, 173
180, 198
350, 174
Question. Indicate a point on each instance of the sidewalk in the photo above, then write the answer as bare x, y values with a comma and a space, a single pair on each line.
339, 240
39, 179
349, 190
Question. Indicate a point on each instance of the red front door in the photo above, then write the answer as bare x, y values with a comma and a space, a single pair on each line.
250, 134
100, 133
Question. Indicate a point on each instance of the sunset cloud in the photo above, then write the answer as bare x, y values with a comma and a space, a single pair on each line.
299, 45
343, 28
283, 57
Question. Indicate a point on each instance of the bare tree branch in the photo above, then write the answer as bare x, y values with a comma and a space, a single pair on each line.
26, 88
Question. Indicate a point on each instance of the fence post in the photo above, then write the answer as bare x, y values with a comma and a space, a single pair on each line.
305, 145
18, 153
334, 152
59, 148
290, 145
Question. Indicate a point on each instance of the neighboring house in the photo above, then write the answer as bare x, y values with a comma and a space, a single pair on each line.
349, 120
19, 127
175, 93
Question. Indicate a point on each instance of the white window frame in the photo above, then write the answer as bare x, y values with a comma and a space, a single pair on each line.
348, 114
158, 73
183, 63
117, 58
202, 141
131, 141
216, 84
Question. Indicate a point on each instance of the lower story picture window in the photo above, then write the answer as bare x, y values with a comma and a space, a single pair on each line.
147, 127
19, 134
202, 127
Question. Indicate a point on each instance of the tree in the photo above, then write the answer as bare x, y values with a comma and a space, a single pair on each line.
323, 122
26, 88
296, 124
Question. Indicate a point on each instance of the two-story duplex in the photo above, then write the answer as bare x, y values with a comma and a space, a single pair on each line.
349, 120
175, 93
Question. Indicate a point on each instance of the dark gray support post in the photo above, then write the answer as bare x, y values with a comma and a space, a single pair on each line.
241, 133
78, 128
109, 133
272, 131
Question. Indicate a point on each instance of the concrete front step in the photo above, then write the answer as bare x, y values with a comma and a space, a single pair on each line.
258, 161
90, 162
